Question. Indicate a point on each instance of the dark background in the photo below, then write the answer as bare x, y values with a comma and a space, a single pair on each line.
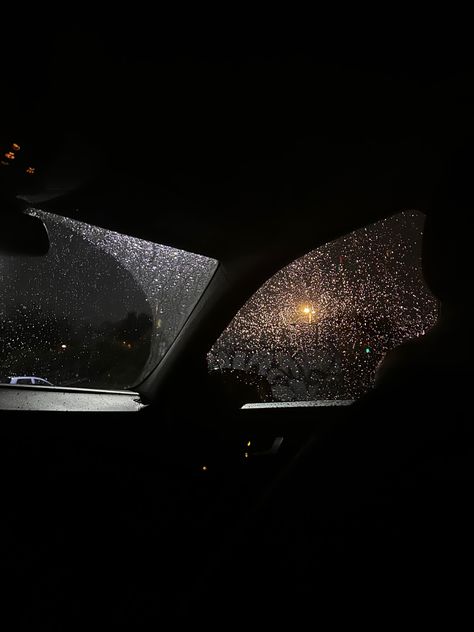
231, 130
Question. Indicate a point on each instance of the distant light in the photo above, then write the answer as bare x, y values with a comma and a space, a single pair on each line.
30, 170
249, 443
309, 311
204, 468
4, 163
63, 346
10, 155
368, 349
246, 455
16, 147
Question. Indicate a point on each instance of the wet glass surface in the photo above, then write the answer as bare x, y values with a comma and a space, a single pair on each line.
100, 310
318, 329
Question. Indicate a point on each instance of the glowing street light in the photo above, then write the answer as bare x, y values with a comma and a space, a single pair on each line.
309, 311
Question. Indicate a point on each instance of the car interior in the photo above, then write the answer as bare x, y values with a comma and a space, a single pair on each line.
161, 208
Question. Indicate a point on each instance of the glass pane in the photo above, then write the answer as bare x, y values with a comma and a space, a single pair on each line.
318, 328
100, 310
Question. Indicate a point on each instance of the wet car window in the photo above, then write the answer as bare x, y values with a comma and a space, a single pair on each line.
318, 329
100, 310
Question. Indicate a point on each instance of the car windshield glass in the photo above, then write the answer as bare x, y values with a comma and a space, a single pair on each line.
319, 328
100, 310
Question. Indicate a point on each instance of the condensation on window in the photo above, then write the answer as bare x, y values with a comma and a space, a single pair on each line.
318, 329
100, 310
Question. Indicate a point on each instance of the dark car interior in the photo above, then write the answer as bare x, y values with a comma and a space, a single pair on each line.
172, 502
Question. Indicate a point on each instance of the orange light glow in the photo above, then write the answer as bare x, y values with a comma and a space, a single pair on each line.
30, 170
16, 147
309, 311
10, 155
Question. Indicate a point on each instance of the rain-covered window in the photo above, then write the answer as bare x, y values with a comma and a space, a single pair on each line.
318, 329
100, 310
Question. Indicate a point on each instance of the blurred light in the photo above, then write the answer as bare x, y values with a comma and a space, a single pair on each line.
63, 346
10, 155
309, 311
4, 163
246, 455
204, 468
367, 349
31, 170
249, 443
16, 147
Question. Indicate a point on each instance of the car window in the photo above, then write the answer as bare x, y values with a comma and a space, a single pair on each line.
24, 380
100, 310
318, 329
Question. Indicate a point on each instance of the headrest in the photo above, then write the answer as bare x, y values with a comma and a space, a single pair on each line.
448, 240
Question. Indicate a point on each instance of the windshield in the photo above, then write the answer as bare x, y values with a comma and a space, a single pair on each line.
100, 310
320, 327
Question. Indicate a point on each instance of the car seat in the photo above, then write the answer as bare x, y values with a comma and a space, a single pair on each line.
442, 358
